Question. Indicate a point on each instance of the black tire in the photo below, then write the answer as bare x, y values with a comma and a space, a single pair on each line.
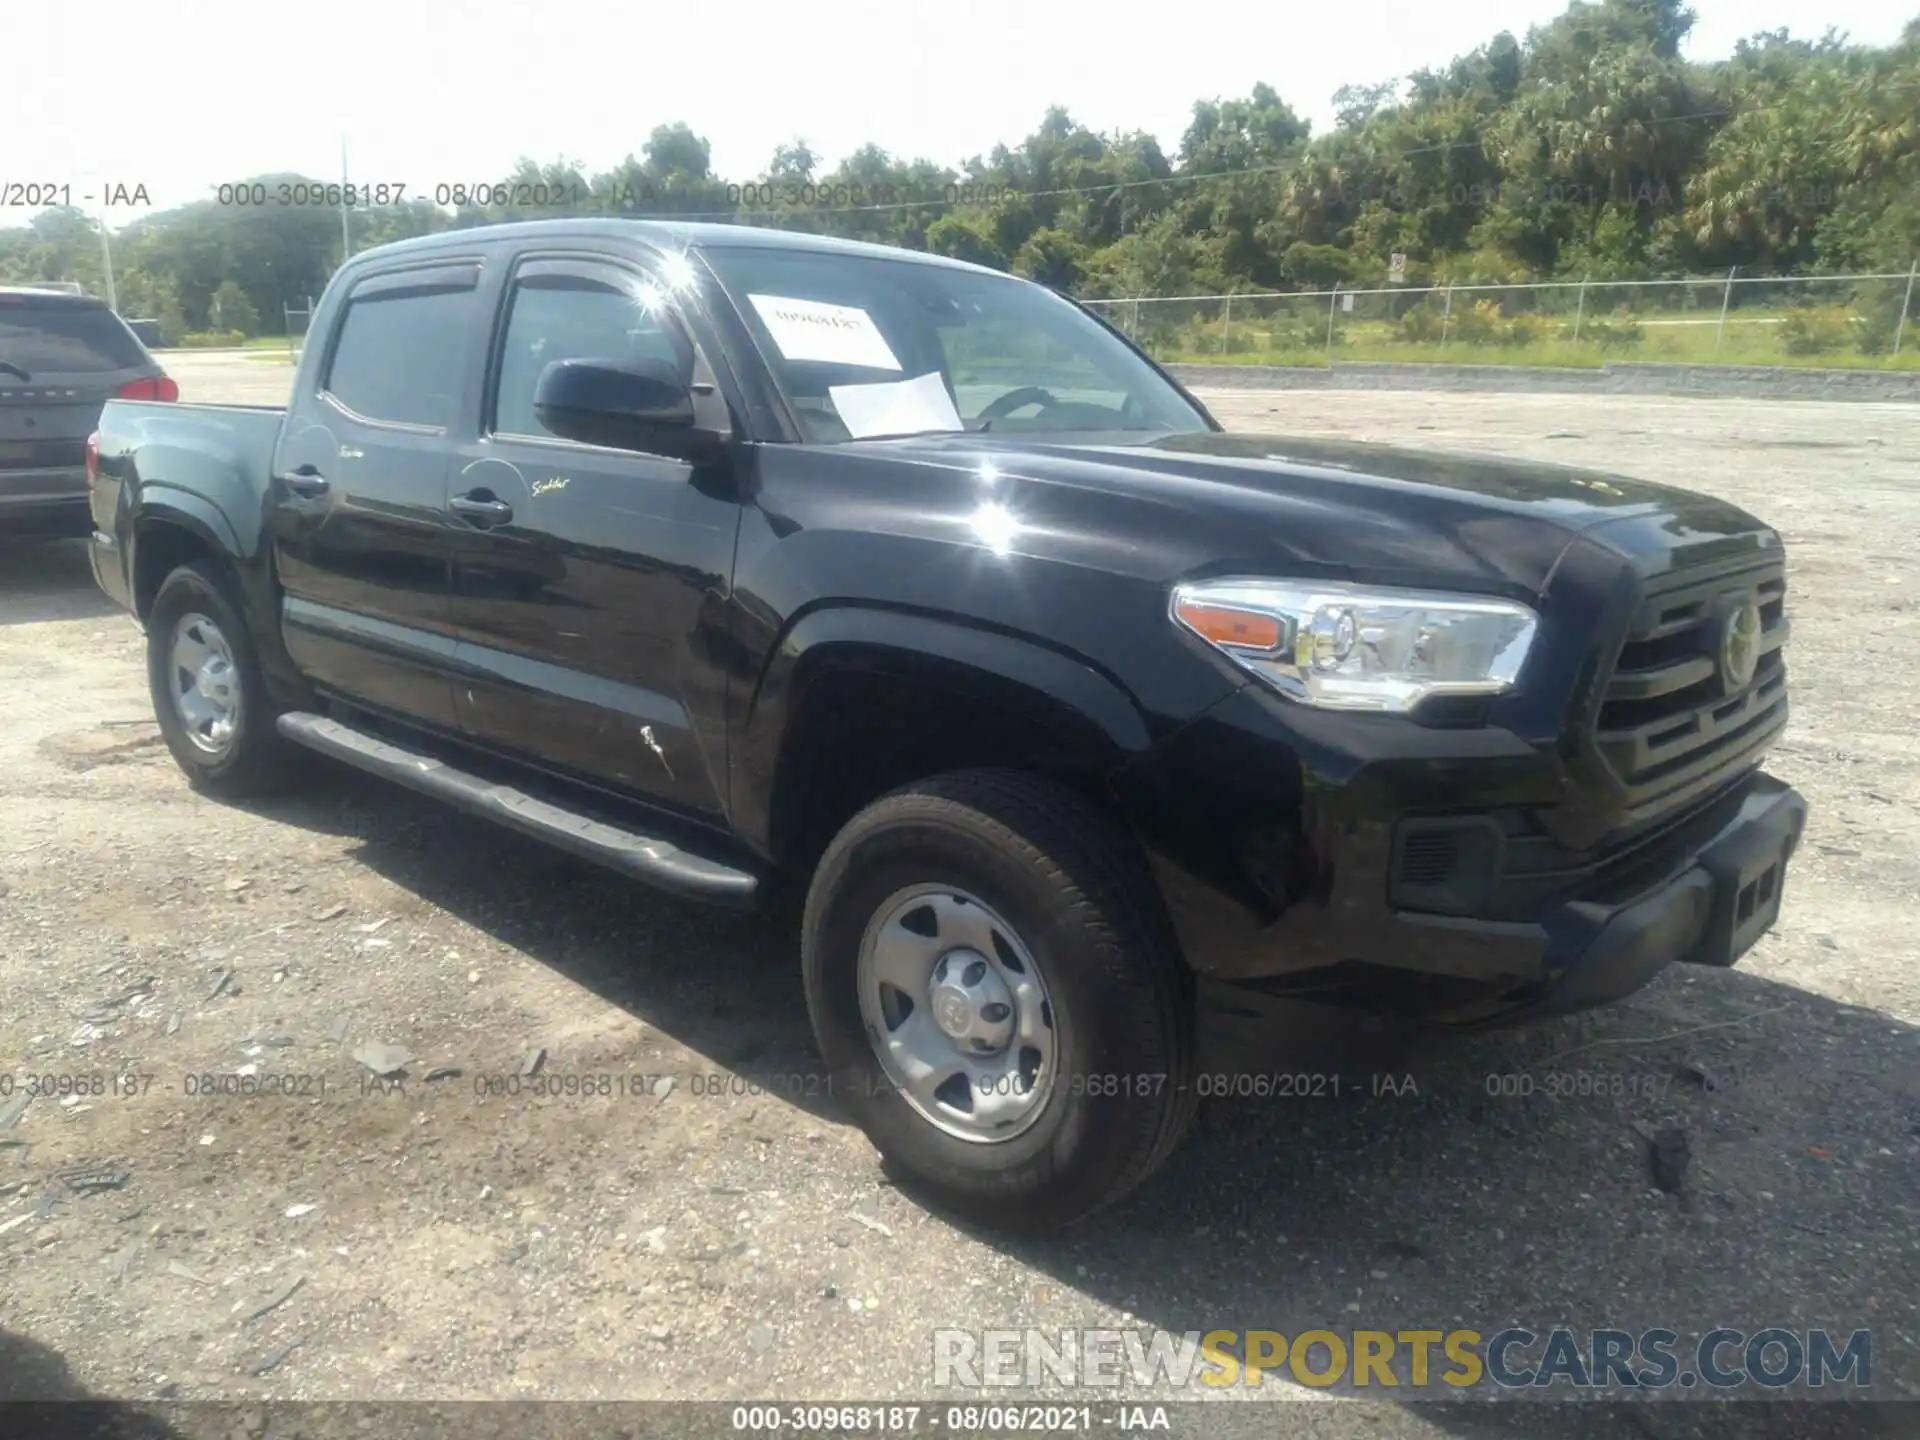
257, 761
1075, 887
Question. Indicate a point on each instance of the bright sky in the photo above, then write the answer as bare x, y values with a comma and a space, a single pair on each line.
179, 97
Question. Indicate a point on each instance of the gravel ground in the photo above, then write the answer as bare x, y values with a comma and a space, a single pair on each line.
420, 1239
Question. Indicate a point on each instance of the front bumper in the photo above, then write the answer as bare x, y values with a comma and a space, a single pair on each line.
1277, 867
1711, 913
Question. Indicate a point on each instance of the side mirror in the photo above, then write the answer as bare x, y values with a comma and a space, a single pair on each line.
625, 404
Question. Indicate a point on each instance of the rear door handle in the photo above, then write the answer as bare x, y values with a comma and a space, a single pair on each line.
307, 484
482, 509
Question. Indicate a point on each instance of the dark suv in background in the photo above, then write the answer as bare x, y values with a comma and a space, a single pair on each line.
62, 357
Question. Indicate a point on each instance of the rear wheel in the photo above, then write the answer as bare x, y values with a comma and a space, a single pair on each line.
209, 695
1001, 1008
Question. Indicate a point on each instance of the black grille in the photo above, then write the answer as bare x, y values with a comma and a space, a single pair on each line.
1444, 866
1670, 722
1428, 857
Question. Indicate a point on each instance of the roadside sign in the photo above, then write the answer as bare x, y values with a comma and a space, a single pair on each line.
1397, 268
1346, 303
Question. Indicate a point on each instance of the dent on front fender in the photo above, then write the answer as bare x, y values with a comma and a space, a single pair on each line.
1269, 824
1017, 666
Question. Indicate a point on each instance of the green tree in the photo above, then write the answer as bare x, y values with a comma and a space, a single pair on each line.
1052, 258
793, 163
1319, 267
232, 310
1589, 147
1236, 152
964, 240
1157, 259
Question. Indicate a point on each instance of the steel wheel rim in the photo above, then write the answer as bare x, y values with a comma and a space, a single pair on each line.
972, 1049
203, 684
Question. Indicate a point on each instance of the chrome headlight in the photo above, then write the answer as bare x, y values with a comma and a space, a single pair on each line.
1360, 647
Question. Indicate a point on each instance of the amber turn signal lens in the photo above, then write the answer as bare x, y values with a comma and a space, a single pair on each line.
1248, 629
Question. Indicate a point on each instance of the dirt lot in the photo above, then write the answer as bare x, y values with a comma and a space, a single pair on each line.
688, 1240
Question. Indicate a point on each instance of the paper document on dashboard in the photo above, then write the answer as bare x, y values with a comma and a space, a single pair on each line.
896, 407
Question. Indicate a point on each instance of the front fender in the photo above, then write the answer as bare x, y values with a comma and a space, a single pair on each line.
1086, 708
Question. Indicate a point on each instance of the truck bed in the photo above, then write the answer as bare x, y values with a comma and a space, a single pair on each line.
206, 465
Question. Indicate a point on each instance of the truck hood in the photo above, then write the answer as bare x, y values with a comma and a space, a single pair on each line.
1364, 510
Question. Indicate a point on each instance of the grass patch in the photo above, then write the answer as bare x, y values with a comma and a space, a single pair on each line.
1749, 344
1556, 356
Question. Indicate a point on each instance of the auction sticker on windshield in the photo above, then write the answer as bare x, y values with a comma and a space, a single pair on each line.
814, 330
896, 407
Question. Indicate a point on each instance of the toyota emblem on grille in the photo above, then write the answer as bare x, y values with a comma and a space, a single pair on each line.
1740, 645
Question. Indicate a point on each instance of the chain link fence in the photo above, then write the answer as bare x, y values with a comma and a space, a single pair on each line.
1835, 320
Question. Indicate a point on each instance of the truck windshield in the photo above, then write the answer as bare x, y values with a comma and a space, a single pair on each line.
864, 347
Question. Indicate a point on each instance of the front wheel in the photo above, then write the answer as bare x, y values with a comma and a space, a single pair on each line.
1001, 1006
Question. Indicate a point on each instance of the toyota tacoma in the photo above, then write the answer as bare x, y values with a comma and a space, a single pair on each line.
753, 563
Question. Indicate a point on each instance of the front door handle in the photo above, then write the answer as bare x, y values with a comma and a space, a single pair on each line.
481, 508
307, 483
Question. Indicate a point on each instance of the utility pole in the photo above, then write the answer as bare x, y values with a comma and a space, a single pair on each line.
346, 235
1906, 302
88, 181
106, 261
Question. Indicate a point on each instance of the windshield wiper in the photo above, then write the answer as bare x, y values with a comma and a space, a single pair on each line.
9, 365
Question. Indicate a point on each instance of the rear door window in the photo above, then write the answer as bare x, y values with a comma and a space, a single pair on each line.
402, 351
64, 339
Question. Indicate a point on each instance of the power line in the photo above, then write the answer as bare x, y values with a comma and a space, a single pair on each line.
1118, 186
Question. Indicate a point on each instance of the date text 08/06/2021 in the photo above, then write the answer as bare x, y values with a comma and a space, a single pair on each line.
931, 1419
251, 1081
566, 1084
567, 195
45, 194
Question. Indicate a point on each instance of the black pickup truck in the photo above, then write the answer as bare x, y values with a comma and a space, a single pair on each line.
723, 556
